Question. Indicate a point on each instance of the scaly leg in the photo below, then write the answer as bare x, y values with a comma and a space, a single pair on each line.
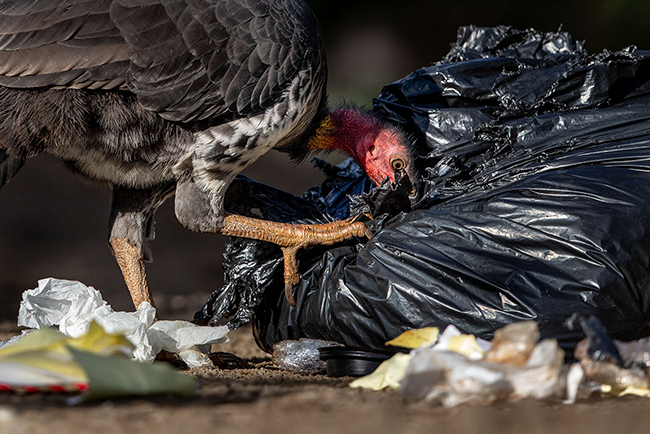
131, 227
129, 258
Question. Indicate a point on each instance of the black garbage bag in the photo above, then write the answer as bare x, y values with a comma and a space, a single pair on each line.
534, 204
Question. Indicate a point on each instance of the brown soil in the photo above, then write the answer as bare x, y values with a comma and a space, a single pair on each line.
267, 400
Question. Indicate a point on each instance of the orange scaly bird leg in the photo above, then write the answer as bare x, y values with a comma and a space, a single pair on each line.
129, 259
292, 238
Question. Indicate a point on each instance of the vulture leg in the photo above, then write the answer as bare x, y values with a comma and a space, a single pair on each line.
131, 227
129, 258
200, 210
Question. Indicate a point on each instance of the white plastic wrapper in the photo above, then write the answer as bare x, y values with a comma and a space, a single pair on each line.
453, 379
73, 305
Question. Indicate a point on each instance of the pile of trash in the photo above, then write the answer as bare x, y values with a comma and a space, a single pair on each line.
532, 208
97, 351
73, 306
453, 368
96, 364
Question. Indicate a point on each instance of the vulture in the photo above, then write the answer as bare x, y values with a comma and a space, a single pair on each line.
173, 98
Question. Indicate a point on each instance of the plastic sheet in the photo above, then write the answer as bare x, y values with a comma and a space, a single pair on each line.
301, 356
73, 306
534, 205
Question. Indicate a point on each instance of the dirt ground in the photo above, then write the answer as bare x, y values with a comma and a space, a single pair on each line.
267, 400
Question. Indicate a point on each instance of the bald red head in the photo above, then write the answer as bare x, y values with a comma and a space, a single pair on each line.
376, 146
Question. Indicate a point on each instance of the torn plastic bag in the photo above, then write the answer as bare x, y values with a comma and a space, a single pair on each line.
535, 205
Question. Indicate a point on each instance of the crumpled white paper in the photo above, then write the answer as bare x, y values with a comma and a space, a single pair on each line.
73, 305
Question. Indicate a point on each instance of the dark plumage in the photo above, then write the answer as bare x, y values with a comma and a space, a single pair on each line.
156, 97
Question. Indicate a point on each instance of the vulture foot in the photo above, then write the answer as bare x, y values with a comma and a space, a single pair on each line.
292, 237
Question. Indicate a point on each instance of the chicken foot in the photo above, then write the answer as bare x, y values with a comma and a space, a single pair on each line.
292, 237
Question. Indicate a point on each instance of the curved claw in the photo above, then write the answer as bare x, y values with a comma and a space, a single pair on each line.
288, 294
367, 232
291, 276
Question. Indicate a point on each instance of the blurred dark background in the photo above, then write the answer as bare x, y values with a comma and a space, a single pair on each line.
53, 225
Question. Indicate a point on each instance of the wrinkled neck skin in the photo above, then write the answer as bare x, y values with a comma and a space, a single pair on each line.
356, 132
349, 130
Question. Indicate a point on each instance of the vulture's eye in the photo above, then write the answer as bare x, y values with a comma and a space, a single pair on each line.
397, 163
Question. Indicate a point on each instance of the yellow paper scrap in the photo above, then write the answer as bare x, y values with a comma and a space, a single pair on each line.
465, 345
97, 341
416, 338
43, 358
43, 338
387, 375
636, 391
